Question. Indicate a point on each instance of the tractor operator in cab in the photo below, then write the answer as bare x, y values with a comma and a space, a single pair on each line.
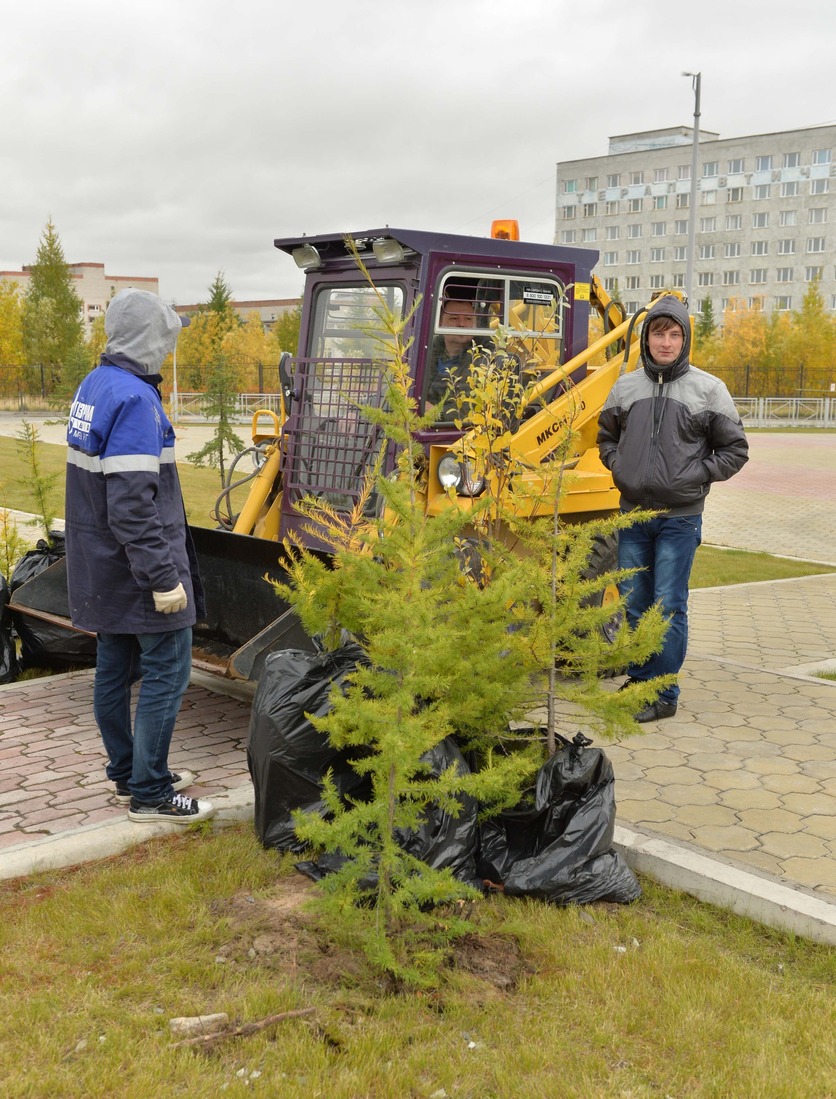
451, 356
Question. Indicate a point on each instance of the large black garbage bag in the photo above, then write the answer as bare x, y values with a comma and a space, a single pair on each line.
441, 840
444, 841
43, 643
559, 848
287, 757
8, 651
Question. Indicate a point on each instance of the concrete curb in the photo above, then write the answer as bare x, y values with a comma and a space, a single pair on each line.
100, 841
762, 899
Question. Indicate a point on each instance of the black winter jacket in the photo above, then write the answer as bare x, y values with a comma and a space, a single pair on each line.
667, 433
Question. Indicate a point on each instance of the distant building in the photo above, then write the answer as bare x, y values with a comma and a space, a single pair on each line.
269, 310
765, 219
93, 286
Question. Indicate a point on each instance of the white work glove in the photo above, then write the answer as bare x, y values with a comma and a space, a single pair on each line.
169, 602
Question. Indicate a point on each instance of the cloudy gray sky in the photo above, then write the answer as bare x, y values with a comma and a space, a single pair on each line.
178, 138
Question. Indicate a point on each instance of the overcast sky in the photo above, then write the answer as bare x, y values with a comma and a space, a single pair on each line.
179, 138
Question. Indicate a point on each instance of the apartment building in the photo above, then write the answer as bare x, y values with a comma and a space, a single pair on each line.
94, 287
765, 215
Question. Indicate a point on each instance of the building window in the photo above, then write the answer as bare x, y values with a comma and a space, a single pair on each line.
590, 183
657, 255
734, 194
658, 228
711, 168
708, 225
610, 259
680, 227
634, 256
680, 252
611, 208
731, 278
683, 201
589, 236
783, 302
821, 156
679, 281
786, 247
734, 221
569, 212
634, 231
732, 250
784, 274
660, 175
819, 186
757, 275
789, 190
707, 198
788, 217
634, 206
636, 177
614, 180
612, 232
791, 160
657, 282
760, 247
705, 278
735, 165
756, 302
815, 244
813, 274
763, 163
632, 282
570, 186
590, 209
817, 215
631, 307
610, 284
761, 190
706, 251
567, 236
760, 221
683, 171
660, 202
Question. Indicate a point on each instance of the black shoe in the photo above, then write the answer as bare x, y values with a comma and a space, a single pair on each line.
179, 810
655, 711
629, 682
179, 782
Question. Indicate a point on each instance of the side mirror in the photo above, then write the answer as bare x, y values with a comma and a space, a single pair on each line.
286, 379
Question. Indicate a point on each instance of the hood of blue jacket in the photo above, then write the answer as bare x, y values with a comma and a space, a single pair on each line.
142, 328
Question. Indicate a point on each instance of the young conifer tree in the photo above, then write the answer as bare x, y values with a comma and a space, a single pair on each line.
441, 663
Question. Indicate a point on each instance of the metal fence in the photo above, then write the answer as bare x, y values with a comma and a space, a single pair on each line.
190, 407
787, 411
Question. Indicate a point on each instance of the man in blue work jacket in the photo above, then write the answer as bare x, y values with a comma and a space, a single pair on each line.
131, 569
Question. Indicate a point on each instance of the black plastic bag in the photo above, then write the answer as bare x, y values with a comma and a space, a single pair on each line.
44, 643
287, 757
559, 848
444, 841
441, 841
8, 650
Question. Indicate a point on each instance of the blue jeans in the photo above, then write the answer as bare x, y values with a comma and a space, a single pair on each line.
163, 662
663, 549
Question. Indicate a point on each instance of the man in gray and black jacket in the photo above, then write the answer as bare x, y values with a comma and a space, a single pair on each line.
666, 432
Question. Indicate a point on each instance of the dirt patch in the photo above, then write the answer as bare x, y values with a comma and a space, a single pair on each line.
274, 931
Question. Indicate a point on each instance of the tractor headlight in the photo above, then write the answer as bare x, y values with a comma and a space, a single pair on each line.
460, 476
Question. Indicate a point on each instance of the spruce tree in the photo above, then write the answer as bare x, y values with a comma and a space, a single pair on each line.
52, 322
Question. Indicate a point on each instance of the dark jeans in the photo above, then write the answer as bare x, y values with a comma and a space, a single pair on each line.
663, 549
163, 662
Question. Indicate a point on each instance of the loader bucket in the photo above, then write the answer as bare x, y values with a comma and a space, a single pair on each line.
245, 620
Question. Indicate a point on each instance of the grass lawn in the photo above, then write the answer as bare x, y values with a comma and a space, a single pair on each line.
665, 997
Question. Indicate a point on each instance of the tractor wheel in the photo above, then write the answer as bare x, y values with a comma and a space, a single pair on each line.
604, 559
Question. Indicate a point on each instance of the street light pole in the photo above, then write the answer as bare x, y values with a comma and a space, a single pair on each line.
696, 79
